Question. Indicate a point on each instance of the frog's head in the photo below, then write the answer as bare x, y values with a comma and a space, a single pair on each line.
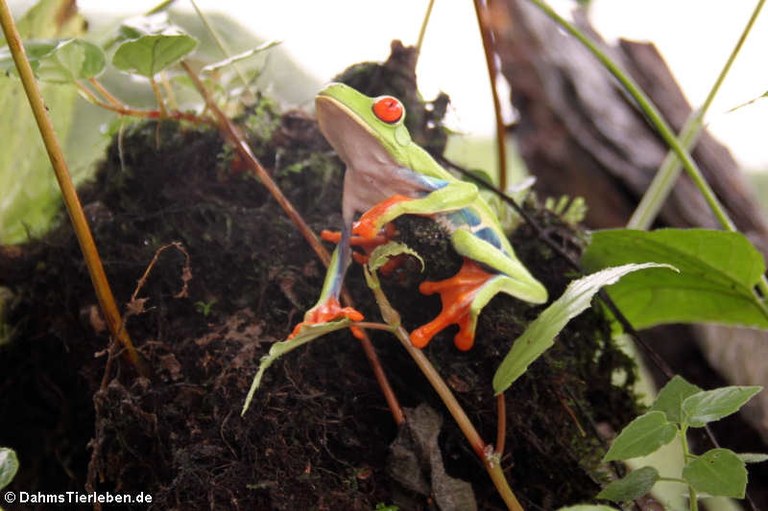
364, 131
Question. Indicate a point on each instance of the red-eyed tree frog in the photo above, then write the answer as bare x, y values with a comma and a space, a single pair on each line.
387, 176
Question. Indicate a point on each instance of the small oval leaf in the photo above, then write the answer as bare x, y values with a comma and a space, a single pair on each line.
636, 484
150, 54
719, 472
641, 437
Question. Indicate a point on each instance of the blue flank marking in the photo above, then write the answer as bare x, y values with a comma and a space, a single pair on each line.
490, 236
464, 217
424, 182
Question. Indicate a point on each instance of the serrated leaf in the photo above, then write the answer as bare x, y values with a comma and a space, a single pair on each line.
9, 465
718, 271
752, 457
636, 484
711, 405
307, 334
719, 472
671, 396
540, 334
641, 437
150, 54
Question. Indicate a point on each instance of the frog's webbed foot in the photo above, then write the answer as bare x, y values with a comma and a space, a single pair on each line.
330, 310
457, 294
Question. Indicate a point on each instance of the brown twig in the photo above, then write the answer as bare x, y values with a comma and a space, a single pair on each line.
481, 11
69, 193
122, 109
232, 134
501, 424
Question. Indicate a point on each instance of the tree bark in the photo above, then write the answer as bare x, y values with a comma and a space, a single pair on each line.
581, 136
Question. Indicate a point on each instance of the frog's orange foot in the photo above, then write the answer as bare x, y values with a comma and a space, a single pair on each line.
329, 311
456, 295
366, 226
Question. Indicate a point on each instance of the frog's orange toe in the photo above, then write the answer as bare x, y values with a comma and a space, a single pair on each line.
331, 310
456, 295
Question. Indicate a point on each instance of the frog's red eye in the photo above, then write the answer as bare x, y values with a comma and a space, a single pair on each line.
388, 109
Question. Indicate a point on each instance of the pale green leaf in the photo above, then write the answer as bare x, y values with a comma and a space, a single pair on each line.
307, 334
718, 272
719, 472
671, 396
67, 61
383, 253
150, 54
540, 334
711, 405
752, 457
636, 484
9, 465
641, 437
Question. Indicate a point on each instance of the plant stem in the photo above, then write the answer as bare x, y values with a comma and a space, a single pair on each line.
490, 459
424, 24
665, 179
221, 44
693, 502
122, 109
493, 74
158, 97
657, 121
69, 193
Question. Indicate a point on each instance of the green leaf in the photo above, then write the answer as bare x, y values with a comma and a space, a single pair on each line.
641, 437
9, 465
636, 484
718, 271
671, 397
150, 54
719, 472
711, 405
383, 253
752, 457
307, 334
64, 62
540, 334
29, 195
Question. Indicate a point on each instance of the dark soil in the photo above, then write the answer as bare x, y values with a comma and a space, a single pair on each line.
317, 435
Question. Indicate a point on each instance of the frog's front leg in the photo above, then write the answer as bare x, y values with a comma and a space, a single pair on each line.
328, 307
465, 294
448, 197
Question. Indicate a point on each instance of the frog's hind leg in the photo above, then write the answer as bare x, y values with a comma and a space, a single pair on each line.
465, 294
